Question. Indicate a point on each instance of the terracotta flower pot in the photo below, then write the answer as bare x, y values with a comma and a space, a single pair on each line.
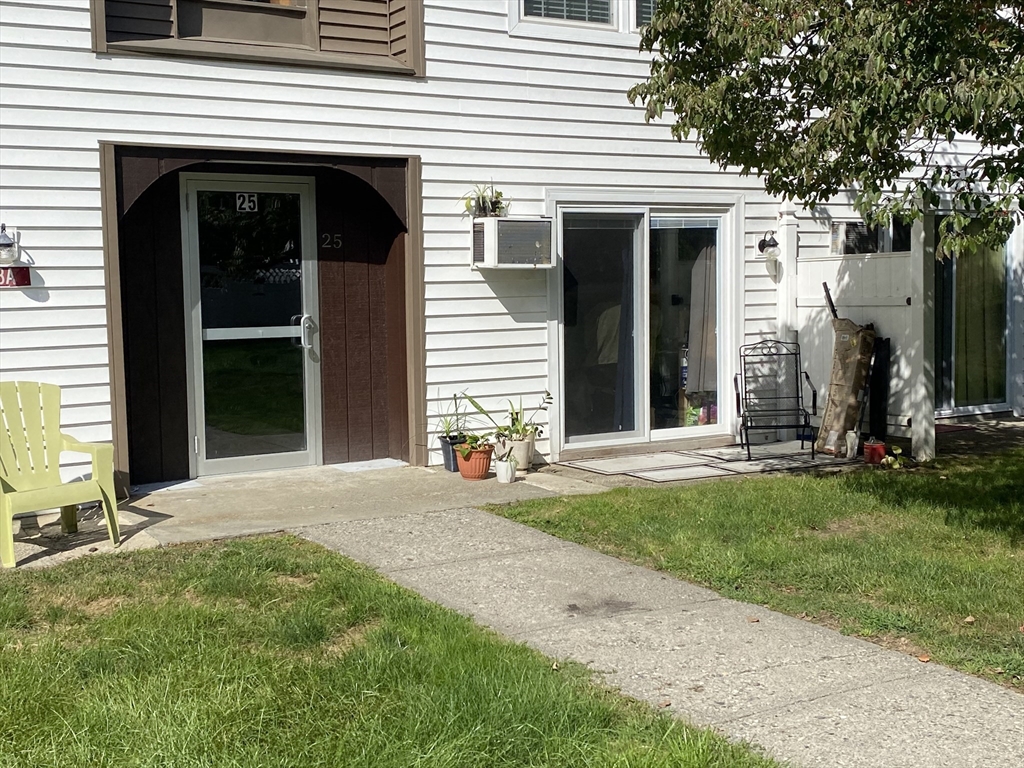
476, 464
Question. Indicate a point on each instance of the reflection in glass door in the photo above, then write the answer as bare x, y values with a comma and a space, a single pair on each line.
253, 324
600, 272
683, 322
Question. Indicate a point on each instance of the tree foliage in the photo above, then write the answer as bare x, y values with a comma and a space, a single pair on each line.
910, 103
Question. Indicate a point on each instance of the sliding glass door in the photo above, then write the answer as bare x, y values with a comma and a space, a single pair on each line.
640, 326
971, 314
601, 271
683, 322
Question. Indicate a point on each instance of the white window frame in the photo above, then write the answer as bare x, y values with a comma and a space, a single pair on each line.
622, 31
729, 210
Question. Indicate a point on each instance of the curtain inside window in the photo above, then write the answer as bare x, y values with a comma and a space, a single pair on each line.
595, 11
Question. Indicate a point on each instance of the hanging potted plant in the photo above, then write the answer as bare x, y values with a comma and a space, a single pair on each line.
452, 427
484, 200
474, 457
518, 438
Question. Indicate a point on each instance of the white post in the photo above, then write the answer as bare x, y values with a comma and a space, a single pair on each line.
785, 295
785, 279
921, 384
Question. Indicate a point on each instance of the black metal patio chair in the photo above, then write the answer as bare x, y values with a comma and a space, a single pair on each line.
769, 391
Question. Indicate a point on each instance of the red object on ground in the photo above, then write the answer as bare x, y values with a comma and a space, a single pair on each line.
874, 453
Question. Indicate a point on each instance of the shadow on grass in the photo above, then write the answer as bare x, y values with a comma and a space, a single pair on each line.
984, 492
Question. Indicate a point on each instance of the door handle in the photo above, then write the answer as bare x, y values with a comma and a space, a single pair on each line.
306, 329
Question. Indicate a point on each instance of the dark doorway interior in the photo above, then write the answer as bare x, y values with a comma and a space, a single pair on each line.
361, 263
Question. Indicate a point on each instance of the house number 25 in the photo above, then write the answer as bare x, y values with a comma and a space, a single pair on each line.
327, 240
245, 202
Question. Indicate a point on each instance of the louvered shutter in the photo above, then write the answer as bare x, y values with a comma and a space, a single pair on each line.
139, 19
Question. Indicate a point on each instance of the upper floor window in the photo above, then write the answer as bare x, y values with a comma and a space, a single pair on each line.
362, 34
592, 11
618, 15
644, 11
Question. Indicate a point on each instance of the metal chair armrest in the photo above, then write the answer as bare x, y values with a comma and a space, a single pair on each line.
814, 394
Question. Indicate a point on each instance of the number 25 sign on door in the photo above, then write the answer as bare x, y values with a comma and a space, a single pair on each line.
245, 202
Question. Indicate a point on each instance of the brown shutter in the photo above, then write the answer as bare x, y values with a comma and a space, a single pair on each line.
356, 26
139, 19
399, 29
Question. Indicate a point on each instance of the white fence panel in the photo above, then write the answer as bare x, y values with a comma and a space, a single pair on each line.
866, 288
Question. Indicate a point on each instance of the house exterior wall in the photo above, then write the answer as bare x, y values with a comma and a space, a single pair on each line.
527, 111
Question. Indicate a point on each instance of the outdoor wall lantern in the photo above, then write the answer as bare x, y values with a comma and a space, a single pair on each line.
8, 247
769, 246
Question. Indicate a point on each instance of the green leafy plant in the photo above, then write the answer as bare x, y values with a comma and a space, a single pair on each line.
896, 460
473, 442
819, 96
485, 200
452, 420
520, 424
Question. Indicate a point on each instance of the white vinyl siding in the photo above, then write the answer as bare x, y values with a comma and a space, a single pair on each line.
526, 114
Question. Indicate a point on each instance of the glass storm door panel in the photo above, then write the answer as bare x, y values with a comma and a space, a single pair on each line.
253, 326
970, 330
601, 318
683, 322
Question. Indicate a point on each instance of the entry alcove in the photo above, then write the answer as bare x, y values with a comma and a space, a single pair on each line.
361, 236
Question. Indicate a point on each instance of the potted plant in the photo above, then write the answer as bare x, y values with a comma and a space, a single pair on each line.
505, 466
519, 436
474, 457
484, 200
452, 425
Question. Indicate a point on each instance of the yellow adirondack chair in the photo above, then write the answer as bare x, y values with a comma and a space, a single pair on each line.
30, 446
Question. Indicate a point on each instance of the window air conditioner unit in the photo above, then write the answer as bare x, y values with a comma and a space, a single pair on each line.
500, 242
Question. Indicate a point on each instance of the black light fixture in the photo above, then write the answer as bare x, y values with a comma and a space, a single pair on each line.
769, 246
8, 247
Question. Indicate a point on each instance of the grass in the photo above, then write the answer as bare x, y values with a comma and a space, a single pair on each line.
275, 652
254, 387
929, 561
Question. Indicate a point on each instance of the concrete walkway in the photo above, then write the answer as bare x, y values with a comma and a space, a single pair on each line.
805, 693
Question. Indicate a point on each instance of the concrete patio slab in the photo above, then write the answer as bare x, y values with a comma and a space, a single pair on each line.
241, 505
621, 465
701, 471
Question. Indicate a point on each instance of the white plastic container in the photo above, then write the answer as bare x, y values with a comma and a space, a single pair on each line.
851, 444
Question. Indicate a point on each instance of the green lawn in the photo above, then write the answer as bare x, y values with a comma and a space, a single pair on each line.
275, 652
929, 561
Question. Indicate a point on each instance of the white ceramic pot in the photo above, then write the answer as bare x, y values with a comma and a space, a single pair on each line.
504, 471
522, 451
